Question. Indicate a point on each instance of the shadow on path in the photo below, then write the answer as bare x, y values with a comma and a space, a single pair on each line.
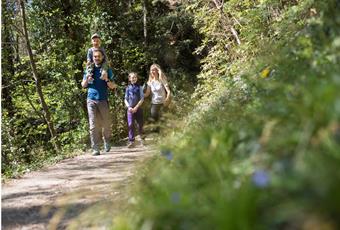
52, 197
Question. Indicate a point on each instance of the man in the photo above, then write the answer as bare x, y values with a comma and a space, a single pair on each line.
97, 103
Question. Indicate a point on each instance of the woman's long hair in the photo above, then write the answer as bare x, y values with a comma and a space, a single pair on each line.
162, 77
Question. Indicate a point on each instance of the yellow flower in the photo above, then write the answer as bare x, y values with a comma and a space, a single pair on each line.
265, 72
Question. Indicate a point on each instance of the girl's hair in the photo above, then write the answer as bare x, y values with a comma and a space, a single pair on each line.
161, 75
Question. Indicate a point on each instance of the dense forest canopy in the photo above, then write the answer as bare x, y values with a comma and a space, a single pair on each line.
43, 106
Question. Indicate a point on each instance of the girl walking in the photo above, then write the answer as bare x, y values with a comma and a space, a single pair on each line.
134, 98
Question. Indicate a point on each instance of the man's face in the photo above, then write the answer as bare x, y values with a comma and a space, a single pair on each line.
97, 57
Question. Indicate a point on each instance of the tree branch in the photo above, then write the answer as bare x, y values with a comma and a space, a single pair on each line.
234, 32
218, 4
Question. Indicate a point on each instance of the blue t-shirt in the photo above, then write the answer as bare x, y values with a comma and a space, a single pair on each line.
133, 94
98, 89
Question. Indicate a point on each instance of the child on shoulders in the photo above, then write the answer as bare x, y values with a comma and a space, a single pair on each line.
95, 40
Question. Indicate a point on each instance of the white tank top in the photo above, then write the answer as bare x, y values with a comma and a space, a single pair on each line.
157, 91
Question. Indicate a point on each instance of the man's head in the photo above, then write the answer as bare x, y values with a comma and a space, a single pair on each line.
98, 57
95, 39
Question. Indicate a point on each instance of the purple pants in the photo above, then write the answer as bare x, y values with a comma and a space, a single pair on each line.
131, 118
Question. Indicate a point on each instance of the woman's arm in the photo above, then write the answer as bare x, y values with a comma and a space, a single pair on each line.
148, 91
167, 89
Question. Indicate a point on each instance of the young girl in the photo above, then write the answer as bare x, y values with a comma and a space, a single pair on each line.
159, 89
95, 40
134, 98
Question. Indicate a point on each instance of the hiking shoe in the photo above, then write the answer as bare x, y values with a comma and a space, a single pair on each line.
107, 147
95, 152
130, 145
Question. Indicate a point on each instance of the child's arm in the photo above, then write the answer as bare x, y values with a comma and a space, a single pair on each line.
126, 103
126, 98
140, 102
89, 56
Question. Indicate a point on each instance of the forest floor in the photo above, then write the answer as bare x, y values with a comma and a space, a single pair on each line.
74, 193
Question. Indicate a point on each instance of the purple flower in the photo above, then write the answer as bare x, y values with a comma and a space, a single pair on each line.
175, 197
167, 154
260, 178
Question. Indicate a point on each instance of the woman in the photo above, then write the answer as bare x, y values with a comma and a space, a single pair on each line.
159, 89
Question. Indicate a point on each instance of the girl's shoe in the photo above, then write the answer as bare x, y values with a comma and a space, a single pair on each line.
130, 145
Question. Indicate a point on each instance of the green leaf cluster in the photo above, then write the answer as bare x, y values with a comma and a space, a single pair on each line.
261, 148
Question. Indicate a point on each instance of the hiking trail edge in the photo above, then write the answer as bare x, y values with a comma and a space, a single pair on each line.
73, 193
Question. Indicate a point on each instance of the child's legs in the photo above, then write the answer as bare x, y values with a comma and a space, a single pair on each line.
104, 69
105, 66
89, 69
131, 127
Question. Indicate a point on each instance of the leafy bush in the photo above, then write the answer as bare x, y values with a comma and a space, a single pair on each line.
262, 151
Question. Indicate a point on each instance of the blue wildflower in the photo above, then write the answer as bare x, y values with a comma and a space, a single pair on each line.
175, 197
260, 178
167, 154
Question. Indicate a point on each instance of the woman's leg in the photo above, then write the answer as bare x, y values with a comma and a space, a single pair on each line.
140, 121
156, 111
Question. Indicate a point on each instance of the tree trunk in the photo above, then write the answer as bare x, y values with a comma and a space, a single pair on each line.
46, 112
145, 13
7, 64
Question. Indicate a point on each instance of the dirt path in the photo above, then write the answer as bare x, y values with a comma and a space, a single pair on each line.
72, 193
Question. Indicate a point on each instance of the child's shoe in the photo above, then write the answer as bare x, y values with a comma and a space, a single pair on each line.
130, 145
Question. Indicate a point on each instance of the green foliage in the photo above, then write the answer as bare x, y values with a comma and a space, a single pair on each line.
59, 33
261, 150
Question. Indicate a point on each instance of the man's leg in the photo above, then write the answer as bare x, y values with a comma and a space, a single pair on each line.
105, 120
93, 121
